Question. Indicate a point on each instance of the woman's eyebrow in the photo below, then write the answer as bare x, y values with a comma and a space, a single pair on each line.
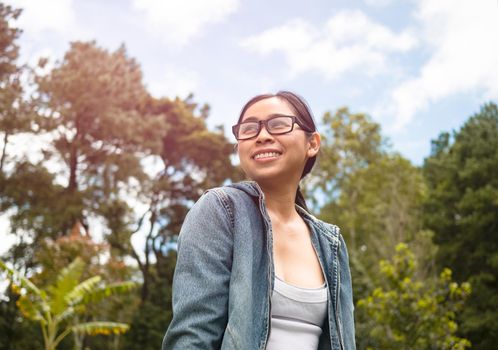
254, 119
250, 119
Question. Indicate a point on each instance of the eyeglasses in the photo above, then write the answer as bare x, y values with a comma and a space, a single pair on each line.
276, 125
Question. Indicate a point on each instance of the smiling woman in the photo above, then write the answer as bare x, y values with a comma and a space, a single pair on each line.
255, 270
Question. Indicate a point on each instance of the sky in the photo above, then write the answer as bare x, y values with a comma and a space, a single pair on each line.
417, 67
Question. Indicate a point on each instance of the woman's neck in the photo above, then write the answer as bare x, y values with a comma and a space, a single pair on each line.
280, 200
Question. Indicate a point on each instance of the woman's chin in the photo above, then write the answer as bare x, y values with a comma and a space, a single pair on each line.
273, 178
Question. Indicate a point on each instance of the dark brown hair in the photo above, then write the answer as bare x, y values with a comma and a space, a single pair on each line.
303, 113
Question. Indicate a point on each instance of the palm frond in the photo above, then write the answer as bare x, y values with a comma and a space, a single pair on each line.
109, 290
19, 279
66, 314
80, 291
30, 309
67, 279
104, 328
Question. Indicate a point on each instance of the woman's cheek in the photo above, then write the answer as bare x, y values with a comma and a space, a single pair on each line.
243, 158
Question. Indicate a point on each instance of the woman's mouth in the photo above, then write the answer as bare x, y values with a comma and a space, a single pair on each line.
266, 155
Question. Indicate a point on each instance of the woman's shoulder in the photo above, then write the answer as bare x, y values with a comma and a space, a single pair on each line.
228, 197
331, 230
240, 191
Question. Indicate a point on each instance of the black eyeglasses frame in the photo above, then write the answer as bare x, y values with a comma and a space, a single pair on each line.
295, 120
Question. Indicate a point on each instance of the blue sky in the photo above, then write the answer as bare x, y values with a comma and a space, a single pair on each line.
416, 67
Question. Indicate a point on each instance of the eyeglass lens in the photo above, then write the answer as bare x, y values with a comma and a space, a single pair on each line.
278, 125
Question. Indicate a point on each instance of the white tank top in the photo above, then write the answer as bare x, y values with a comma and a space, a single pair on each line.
297, 315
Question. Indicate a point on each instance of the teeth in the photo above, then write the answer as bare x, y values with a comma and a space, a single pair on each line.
266, 155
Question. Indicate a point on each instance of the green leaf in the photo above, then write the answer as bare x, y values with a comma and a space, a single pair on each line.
67, 280
31, 310
19, 279
104, 328
79, 292
109, 290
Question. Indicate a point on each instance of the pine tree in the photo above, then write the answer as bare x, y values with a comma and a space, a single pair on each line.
462, 210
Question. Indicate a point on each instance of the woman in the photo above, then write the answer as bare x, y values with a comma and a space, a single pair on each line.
255, 270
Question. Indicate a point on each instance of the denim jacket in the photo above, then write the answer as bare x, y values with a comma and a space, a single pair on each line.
223, 279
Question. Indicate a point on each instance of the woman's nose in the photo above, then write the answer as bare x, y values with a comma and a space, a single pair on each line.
264, 135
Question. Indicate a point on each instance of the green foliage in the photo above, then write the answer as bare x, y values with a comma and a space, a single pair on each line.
104, 328
377, 198
16, 332
193, 159
462, 209
16, 114
116, 146
8, 35
95, 98
406, 313
349, 142
152, 318
53, 256
33, 195
39, 209
56, 306
374, 196
108, 136
382, 198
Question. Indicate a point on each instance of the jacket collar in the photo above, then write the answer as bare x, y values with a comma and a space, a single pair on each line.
252, 189
249, 187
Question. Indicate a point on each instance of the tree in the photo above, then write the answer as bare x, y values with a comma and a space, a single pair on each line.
39, 208
57, 306
91, 103
373, 194
107, 135
54, 255
95, 97
16, 332
378, 207
350, 141
406, 313
462, 210
192, 160
15, 113
152, 317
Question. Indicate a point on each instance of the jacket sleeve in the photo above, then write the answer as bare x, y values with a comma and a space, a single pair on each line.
346, 297
201, 278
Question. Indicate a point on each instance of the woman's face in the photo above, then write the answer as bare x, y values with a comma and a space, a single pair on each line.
269, 157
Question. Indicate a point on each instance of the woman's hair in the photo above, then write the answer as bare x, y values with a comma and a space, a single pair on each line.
303, 113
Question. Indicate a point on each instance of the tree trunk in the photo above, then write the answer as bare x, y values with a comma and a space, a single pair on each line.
149, 241
73, 165
4, 150
73, 159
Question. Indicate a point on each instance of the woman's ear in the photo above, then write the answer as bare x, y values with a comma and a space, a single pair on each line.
313, 144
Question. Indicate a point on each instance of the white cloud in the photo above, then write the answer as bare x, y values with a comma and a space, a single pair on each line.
177, 21
462, 36
347, 41
38, 16
174, 82
379, 3
47, 27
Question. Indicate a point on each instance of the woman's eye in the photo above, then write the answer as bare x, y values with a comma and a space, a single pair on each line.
248, 128
279, 124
